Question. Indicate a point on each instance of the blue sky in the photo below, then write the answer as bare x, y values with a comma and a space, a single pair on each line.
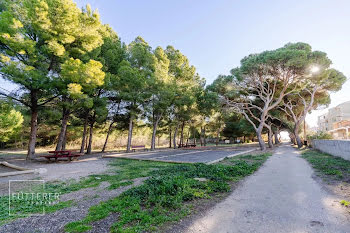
216, 35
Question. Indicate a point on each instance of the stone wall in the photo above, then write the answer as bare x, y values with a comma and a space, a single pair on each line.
339, 148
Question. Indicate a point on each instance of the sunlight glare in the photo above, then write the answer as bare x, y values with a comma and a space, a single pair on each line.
315, 69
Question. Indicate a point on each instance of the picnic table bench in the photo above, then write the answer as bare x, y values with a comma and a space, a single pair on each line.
134, 148
56, 154
186, 145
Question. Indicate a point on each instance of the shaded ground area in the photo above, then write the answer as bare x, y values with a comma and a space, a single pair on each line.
62, 170
195, 155
4, 169
281, 197
96, 163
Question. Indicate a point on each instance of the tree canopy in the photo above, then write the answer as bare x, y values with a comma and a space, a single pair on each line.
10, 121
266, 81
76, 80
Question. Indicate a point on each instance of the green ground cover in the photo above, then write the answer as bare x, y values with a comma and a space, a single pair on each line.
168, 193
327, 165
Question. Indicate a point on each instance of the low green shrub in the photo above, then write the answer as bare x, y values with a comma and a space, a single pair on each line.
345, 203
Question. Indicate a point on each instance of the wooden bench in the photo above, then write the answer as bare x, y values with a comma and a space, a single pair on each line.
134, 148
61, 154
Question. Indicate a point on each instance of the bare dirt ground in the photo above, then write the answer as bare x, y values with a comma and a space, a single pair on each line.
96, 163
336, 187
61, 170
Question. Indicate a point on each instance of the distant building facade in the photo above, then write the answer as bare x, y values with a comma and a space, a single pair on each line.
336, 121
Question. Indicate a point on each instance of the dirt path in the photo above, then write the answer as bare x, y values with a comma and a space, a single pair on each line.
281, 197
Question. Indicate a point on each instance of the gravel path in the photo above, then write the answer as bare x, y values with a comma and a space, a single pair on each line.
281, 197
83, 200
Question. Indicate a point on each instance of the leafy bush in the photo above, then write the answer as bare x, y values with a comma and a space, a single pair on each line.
320, 135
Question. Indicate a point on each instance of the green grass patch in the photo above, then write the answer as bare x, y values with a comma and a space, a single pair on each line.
28, 199
345, 203
330, 166
166, 196
123, 171
23, 209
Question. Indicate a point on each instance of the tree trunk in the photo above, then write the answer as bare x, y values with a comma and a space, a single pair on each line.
108, 133
260, 139
182, 133
194, 136
33, 132
155, 125
276, 137
175, 135
128, 146
65, 140
202, 137
82, 147
65, 117
292, 138
218, 137
87, 139
89, 148
297, 137
170, 137
270, 138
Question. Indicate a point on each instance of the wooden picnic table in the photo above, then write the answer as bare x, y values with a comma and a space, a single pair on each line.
187, 145
134, 148
56, 154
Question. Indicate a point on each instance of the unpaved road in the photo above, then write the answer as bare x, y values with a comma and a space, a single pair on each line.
281, 197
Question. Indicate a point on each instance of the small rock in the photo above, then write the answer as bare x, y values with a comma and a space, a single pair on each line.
201, 179
316, 223
40, 171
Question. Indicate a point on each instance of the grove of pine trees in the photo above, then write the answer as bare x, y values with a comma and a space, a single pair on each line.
75, 78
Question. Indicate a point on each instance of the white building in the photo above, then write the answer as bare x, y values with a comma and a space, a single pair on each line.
336, 121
